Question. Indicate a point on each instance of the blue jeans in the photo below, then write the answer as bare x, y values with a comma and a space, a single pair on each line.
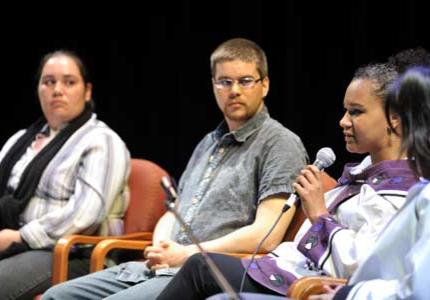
126, 281
27, 274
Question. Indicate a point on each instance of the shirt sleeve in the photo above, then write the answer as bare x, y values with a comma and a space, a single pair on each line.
10, 142
101, 177
412, 281
336, 244
282, 159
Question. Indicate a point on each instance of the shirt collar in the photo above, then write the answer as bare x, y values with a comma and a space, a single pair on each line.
362, 172
48, 131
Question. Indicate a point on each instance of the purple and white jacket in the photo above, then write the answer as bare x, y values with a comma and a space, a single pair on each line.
366, 198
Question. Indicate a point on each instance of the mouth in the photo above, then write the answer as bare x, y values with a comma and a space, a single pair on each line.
349, 137
56, 103
235, 104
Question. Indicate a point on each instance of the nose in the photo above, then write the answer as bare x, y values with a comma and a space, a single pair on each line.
58, 88
345, 121
235, 89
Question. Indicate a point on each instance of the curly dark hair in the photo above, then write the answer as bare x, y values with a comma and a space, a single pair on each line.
382, 76
409, 58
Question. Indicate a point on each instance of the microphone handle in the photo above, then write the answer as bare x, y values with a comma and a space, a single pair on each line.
294, 197
290, 202
216, 273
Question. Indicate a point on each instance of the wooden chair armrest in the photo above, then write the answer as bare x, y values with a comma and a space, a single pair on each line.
102, 249
242, 255
62, 249
313, 285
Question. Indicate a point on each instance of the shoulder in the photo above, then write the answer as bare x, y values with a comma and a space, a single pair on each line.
277, 137
206, 142
272, 129
97, 129
14, 138
421, 191
420, 195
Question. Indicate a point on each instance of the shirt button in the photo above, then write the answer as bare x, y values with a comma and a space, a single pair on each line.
194, 201
221, 150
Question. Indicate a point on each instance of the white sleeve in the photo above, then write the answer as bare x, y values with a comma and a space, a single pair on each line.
414, 282
362, 221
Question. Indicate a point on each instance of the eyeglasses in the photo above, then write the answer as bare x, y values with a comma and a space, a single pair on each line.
244, 82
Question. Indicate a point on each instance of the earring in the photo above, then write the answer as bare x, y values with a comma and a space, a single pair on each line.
389, 130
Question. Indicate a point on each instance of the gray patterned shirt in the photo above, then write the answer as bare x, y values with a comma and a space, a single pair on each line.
230, 173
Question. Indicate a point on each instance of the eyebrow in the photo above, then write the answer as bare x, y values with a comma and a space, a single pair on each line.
227, 77
67, 76
353, 103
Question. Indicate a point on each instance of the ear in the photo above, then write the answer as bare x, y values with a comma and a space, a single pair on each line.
88, 92
395, 121
265, 83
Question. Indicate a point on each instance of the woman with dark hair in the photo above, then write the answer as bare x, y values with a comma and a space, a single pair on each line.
397, 268
66, 173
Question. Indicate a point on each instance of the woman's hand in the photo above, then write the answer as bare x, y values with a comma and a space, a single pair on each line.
328, 294
7, 237
309, 186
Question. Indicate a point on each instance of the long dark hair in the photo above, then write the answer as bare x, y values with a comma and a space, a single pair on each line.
409, 97
63, 52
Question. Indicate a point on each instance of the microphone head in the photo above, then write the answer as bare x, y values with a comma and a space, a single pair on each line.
165, 182
170, 190
325, 158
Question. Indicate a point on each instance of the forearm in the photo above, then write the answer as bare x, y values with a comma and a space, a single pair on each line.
243, 240
77, 216
246, 239
164, 227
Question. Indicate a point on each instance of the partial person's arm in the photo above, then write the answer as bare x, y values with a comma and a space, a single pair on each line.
102, 174
243, 240
310, 188
162, 234
412, 283
336, 244
163, 229
8, 236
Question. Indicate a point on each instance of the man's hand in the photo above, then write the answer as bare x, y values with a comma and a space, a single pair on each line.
168, 253
7, 237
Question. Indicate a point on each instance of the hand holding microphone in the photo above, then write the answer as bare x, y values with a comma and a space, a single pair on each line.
325, 158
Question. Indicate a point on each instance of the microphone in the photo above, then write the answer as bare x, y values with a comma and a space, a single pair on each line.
220, 279
325, 158
169, 189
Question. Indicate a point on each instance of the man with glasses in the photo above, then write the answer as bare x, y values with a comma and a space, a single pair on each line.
232, 190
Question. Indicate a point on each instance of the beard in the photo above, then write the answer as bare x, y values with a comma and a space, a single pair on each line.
237, 114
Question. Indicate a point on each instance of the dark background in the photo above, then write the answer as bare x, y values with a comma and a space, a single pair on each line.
150, 64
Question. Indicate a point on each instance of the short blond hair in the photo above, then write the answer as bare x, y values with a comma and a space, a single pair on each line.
240, 49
